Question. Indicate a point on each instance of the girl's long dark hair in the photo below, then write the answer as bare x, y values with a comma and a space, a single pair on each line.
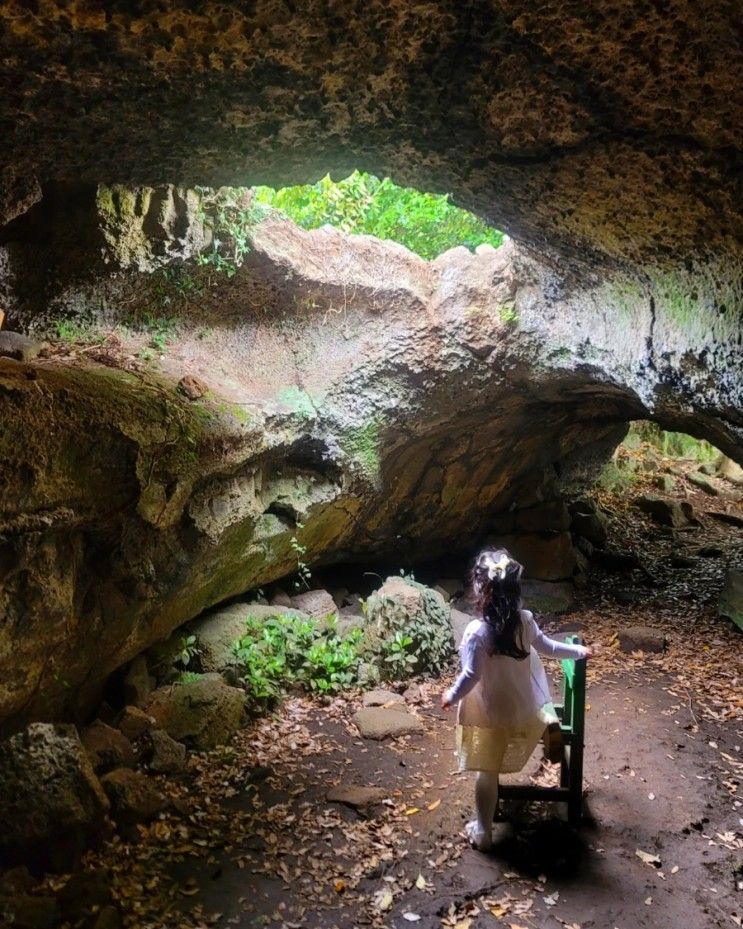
496, 578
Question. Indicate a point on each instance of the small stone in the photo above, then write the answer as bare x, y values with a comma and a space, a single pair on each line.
316, 603
590, 526
168, 756
710, 551
381, 698
192, 387
676, 513
108, 918
107, 748
703, 483
280, 598
730, 470
133, 722
138, 683
18, 347
665, 483
731, 597
134, 798
382, 723
641, 639
83, 894
356, 797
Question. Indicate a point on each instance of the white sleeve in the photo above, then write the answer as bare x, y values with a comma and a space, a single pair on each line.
473, 661
551, 648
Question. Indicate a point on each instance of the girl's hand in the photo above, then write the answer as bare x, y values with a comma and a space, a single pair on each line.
445, 703
589, 652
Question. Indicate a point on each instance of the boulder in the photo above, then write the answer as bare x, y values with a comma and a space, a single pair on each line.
349, 621
550, 516
459, 622
280, 598
590, 526
382, 698
133, 796
703, 483
548, 596
203, 713
356, 797
168, 756
315, 603
17, 346
730, 470
84, 894
21, 911
731, 597
451, 585
107, 748
138, 682
445, 595
217, 633
641, 639
405, 606
380, 722
133, 722
545, 557
675, 513
340, 596
51, 802
665, 483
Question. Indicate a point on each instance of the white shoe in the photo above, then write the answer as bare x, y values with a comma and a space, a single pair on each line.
479, 838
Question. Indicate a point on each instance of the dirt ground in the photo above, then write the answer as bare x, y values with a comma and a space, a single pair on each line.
250, 838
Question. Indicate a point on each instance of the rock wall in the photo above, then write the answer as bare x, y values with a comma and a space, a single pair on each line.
345, 394
599, 131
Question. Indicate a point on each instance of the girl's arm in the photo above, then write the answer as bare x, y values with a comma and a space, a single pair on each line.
551, 648
473, 660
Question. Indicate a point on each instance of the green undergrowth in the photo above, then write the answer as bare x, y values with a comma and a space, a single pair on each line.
282, 651
427, 224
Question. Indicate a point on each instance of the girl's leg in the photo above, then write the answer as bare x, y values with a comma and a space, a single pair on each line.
486, 800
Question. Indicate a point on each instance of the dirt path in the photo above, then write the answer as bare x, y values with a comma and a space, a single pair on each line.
654, 770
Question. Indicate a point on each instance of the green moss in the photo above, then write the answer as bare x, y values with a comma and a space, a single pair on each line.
508, 313
298, 401
362, 445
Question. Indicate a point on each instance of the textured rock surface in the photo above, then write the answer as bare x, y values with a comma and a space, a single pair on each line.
641, 639
51, 803
590, 126
133, 796
107, 748
203, 713
383, 402
379, 722
731, 597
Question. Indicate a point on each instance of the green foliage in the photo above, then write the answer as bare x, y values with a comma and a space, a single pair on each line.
410, 640
72, 330
618, 474
672, 444
231, 213
304, 576
188, 677
427, 224
188, 649
281, 650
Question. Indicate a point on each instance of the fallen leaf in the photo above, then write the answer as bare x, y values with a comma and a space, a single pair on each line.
411, 917
648, 901
411, 811
648, 858
674, 869
551, 899
383, 900
434, 806
420, 882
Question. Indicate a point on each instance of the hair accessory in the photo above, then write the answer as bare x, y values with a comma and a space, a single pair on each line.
498, 568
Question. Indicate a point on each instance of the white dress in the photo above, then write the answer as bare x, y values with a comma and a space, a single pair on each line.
504, 703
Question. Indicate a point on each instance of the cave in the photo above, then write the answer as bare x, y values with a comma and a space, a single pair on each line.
185, 427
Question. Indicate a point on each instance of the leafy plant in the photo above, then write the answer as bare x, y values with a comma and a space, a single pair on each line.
279, 651
304, 575
427, 224
231, 213
188, 677
188, 650
410, 636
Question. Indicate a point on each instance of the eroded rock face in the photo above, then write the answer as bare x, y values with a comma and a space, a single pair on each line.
589, 127
360, 402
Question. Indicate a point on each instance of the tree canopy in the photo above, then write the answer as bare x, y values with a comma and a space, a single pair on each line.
427, 224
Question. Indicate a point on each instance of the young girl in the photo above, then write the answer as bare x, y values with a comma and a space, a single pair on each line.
502, 690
